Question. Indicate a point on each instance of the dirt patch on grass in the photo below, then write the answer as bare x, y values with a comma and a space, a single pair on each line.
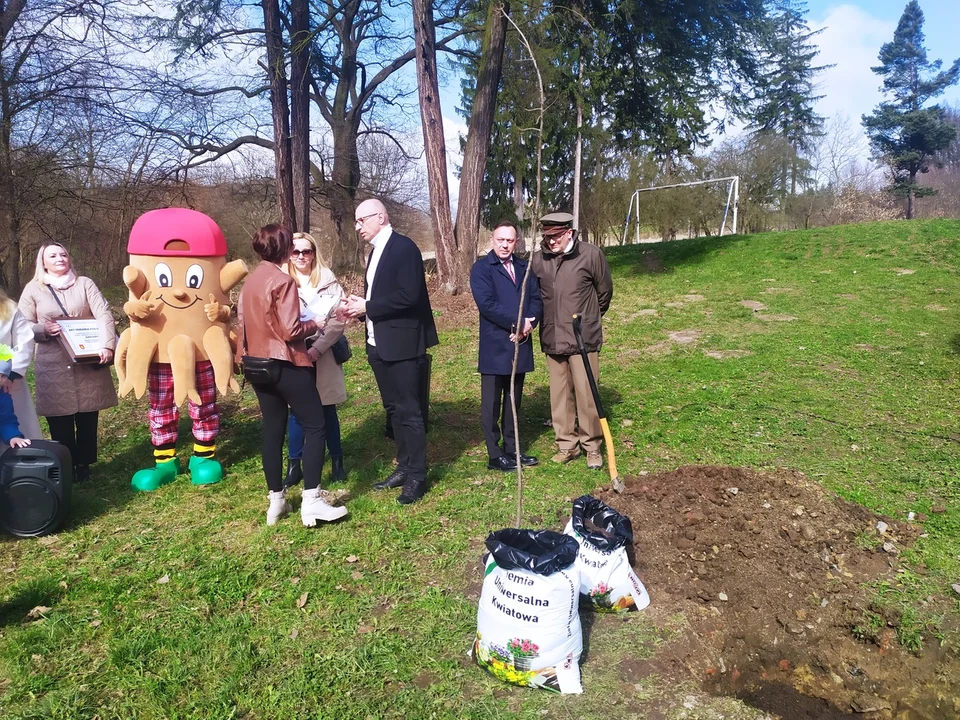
726, 354
770, 572
773, 317
752, 305
684, 337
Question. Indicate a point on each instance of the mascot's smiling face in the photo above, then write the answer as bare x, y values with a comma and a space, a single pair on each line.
181, 283
179, 257
179, 311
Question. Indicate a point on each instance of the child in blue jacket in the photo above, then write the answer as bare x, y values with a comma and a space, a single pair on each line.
9, 427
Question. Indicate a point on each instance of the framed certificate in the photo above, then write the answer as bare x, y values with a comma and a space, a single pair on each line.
80, 337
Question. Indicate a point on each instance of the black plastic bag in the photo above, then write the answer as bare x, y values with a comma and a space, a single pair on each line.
541, 551
615, 530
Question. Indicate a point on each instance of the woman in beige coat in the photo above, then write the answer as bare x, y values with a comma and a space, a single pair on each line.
318, 287
69, 394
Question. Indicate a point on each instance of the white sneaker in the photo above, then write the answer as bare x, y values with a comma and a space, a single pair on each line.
279, 507
315, 507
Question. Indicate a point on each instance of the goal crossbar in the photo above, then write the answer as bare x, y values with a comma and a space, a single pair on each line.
733, 200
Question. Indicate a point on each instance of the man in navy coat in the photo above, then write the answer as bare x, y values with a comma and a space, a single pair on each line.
495, 280
400, 328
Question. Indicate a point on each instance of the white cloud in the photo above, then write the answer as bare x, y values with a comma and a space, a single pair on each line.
850, 41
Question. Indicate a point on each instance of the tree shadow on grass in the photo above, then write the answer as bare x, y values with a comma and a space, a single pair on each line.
955, 344
657, 258
33, 593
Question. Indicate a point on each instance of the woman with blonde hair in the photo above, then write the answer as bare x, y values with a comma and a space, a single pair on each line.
273, 353
16, 333
318, 286
69, 394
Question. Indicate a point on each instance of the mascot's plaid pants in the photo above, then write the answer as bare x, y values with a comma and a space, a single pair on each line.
164, 414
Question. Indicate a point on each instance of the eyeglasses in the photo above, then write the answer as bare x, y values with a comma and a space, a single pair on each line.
302, 252
361, 220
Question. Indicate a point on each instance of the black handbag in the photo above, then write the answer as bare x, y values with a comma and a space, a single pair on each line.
261, 371
341, 350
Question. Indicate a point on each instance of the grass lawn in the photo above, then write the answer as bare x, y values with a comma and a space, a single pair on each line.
834, 352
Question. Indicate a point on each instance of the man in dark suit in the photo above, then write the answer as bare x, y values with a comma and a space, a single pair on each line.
496, 280
400, 328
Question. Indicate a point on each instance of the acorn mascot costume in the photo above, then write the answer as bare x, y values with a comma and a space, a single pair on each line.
178, 345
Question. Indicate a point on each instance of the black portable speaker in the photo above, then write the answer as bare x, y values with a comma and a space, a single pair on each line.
35, 486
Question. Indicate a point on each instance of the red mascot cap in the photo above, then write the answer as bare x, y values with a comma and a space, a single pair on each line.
176, 232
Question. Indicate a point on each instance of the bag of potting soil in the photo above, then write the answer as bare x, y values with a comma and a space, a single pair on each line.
528, 625
607, 582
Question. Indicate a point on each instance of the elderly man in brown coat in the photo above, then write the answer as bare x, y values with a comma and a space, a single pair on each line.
574, 278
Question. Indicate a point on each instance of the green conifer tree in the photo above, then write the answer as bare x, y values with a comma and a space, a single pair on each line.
903, 133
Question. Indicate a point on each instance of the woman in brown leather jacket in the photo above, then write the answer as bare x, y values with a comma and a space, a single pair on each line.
271, 327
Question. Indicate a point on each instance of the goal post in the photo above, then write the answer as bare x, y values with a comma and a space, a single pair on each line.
729, 210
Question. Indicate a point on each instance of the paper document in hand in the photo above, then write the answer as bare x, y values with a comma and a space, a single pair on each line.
320, 307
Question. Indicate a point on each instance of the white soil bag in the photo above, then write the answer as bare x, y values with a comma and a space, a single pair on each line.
607, 582
528, 625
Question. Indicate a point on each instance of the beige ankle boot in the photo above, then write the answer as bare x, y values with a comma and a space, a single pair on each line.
315, 508
279, 507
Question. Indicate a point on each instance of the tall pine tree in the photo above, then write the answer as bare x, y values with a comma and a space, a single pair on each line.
903, 133
787, 91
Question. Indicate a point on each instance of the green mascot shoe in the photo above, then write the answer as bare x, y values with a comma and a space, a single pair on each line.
205, 471
150, 479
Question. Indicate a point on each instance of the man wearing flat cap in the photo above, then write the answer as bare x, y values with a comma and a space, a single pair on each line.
574, 279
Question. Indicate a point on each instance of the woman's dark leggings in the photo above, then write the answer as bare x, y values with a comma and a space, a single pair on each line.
78, 434
296, 390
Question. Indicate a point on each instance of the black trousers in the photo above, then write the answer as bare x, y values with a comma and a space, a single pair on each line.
78, 434
399, 384
496, 413
296, 390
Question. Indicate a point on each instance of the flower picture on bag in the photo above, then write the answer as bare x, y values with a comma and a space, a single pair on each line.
504, 665
523, 652
600, 595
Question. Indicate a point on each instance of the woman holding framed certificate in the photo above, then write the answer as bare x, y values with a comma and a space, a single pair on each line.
320, 293
75, 339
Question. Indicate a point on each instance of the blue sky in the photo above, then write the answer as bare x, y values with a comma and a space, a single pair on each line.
852, 36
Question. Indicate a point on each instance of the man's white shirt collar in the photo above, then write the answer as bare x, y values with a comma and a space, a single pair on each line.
380, 239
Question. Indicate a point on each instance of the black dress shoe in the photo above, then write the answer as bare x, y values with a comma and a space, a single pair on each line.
502, 463
413, 490
294, 473
528, 460
337, 473
394, 480
81, 473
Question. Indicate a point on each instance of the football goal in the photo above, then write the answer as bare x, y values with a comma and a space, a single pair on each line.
689, 209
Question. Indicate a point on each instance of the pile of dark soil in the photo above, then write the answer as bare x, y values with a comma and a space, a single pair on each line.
771, 574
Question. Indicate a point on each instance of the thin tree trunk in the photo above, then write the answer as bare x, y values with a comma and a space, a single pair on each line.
910, 196
479, 132
428, 90
518, 208
281, 115
344, 178
10, 249
578, 156
300, 113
